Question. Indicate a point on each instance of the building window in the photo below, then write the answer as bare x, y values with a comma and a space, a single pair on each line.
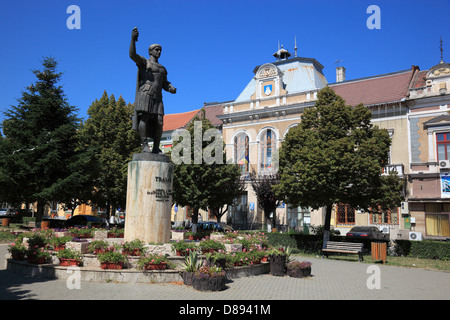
267, 151
437, 225
241, 151
298, 218
437, 219
345, 214
443, 146
386, 217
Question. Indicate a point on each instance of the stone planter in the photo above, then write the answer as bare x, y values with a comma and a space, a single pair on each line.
230, 247
101, 234
217, 237
187, 277
277, 265
299, 272
209, 284
178, 235
61, 234
81, 247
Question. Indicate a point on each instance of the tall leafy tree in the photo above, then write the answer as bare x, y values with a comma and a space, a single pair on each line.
227, 186
38, 149
108, 134
199, 184
335, 155
268, 199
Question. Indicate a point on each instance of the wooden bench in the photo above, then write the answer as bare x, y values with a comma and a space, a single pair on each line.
344, 247
29, 225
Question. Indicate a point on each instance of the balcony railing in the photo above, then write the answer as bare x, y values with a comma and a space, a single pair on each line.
393, 168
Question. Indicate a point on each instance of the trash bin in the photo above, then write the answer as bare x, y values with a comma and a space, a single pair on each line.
379, 251
45, 224
5, 222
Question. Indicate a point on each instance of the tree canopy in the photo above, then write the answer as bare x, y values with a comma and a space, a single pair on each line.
38, 152
336, 155
108, 134
203, 184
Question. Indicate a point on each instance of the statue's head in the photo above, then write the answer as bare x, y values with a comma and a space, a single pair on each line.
155, 50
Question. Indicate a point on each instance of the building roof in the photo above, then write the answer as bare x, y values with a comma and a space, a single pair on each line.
178, 120
212, 110
383, 88
299, 75
181, 120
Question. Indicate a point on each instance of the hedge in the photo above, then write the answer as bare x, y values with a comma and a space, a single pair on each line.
423, 249
313, 244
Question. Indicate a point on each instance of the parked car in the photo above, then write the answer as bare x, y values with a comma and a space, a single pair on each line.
371, 233
7, 212
85, 221
211, 225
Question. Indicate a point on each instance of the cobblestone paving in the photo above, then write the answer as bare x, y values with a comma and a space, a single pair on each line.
331, 280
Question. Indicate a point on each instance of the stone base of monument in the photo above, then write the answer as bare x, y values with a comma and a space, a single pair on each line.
149, 198
91, 271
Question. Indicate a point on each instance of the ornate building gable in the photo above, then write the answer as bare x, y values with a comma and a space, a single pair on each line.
269, 82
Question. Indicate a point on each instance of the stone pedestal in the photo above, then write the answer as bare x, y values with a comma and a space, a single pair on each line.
149, 198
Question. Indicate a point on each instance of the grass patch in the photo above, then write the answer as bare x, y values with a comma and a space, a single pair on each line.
7, 237
411, 262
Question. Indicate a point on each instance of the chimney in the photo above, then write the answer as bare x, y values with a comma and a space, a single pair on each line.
340, 74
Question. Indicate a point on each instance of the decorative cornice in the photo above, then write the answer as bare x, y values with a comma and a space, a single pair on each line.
263, 113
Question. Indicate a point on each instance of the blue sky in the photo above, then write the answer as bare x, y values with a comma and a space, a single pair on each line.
210, 47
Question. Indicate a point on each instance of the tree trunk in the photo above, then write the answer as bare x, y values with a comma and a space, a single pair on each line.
326, 227
194, 219
40, 210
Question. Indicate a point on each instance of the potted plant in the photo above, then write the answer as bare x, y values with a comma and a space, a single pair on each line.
133, 248
18, 251
191, 265
59, 243
37, 255
99, 246
209, 278
111, 260
218, 258
81, 233
116, 233
209, 246
181, 248
298, 269
153, 262
69, 257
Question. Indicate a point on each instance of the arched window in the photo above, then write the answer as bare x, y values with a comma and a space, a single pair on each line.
267, 149
241, 151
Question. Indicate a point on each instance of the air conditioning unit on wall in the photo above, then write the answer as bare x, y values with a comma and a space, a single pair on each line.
444, 164
415, 236
384, 229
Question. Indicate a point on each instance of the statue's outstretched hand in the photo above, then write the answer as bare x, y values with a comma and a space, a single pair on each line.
135, 34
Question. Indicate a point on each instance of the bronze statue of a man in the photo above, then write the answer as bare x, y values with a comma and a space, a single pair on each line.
148, 106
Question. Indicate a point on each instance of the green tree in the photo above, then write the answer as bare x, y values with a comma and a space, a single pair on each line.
335, 155
227, 185
199, 183
108, 134
268, 200
38, 153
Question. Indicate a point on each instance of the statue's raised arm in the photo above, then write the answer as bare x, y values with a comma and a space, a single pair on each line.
134, 37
